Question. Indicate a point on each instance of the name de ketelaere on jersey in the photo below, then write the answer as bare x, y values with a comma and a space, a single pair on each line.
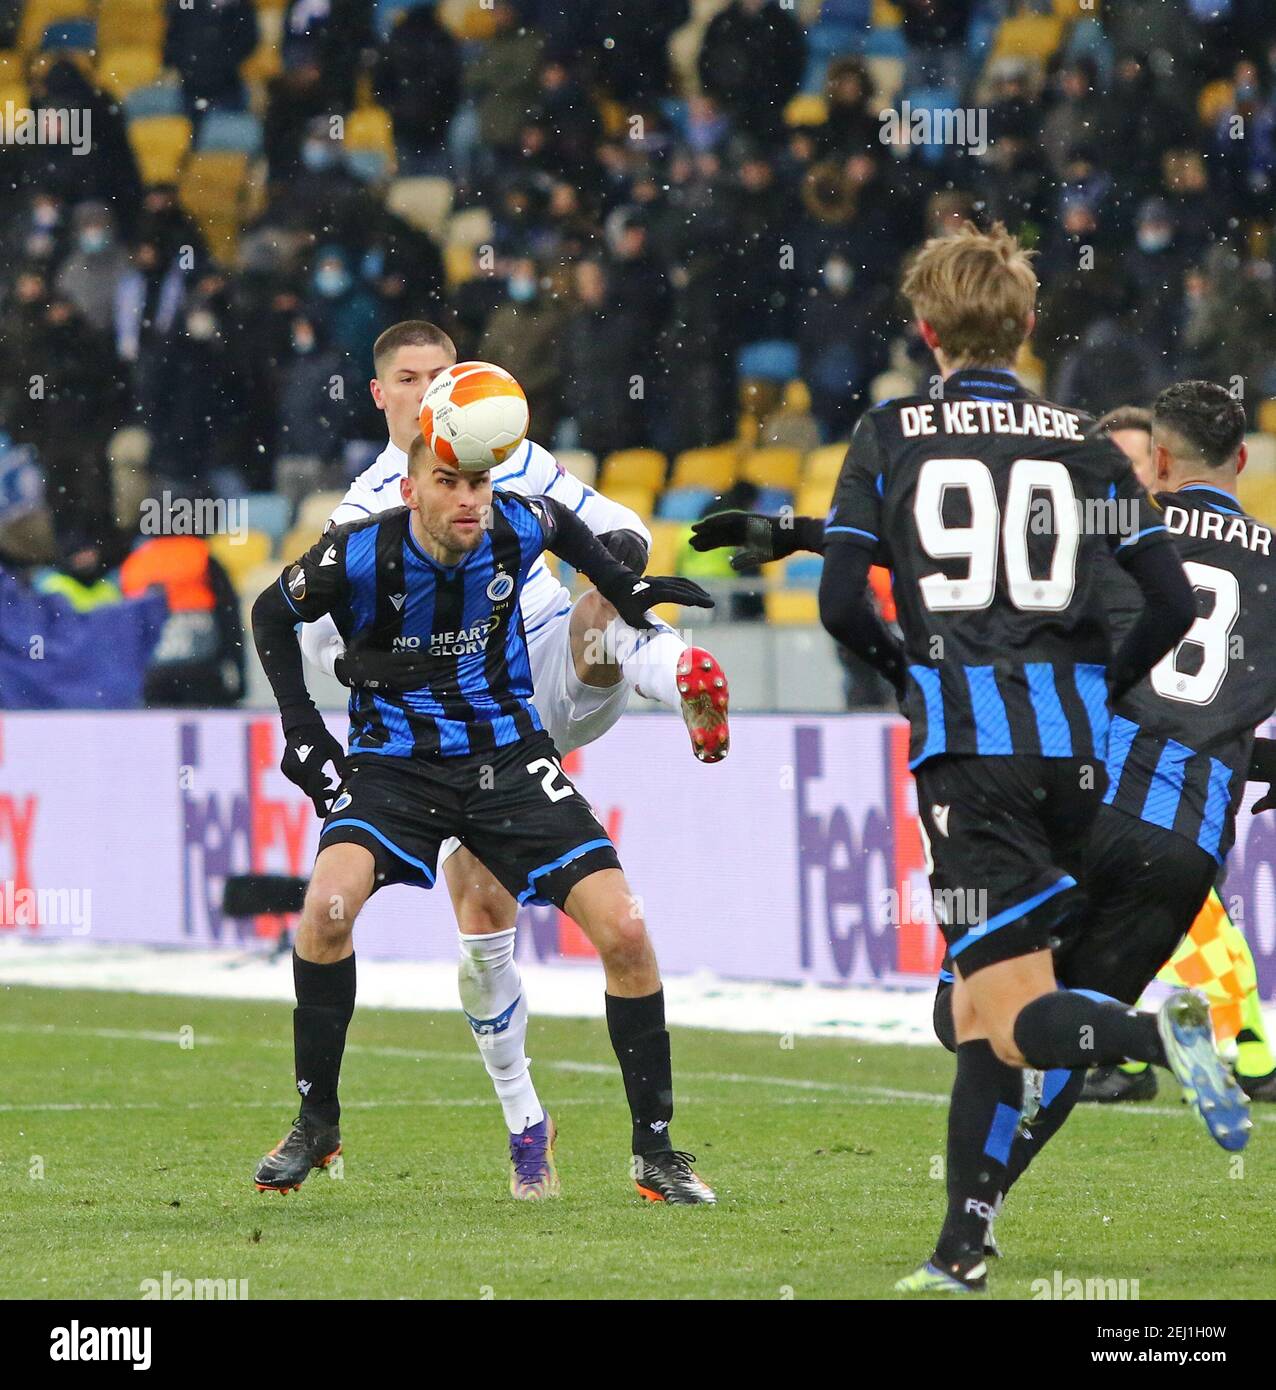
384, 592
990, 506
1180, 741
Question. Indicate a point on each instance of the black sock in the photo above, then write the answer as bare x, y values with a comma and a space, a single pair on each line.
325, 1004
982, 1119
641, 1041
1078, 1028
1060, 1094
942, 1017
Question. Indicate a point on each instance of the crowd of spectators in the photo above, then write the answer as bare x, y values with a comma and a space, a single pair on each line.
652, 222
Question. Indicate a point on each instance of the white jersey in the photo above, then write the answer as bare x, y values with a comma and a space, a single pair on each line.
532, 472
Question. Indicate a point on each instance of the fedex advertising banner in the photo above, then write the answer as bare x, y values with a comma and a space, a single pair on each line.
797, 859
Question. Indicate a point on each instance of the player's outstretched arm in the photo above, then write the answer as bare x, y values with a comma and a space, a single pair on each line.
850, 617
760, 538
630, 594
309, 748
1169, 609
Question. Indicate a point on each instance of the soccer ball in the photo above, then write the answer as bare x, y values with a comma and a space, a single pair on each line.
474, 416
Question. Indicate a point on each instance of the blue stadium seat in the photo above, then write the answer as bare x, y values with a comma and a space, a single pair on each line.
771, 499
236, 131
771, 359
885, 43
803, 571
155, 100
266, 511
932, 99
683, 503
70, 33
367, 165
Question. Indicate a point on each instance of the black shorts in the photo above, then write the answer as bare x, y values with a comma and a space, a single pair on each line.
514, 809
1001, 832
1143, 887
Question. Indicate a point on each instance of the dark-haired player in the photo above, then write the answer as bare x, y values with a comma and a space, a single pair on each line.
993, 508
446, 742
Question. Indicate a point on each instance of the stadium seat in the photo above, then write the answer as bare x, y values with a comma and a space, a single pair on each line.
634, 468
130, 24
638, 499
470, 227
76, 34
771, 359
467, 20
238, 554
156, 99
1032, 36
229, 130
160, 144
1261, 449
824, 463
211, 183
684, 503
1212, 100
805, 109
775, 466
314, 512
1258, 496
425, 202
803, 571
580, 463
713, 468
370, 129
122, 70
792, 607
369, 166
266, 512
814, 498
772, 499
1267, 416
266, 60
666, 538
16, 92
888, 78
13, 67
38, 15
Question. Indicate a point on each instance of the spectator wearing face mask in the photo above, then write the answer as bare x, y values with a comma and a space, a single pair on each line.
314, 419
341, 305
1156, 266
523, 336
91, 273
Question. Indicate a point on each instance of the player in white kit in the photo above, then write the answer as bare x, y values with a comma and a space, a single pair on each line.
585, 662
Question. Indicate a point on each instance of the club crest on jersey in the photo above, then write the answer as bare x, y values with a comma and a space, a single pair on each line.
501, 587
297, 582
341, 802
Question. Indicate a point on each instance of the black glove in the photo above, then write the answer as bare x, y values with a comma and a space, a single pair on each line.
761, 538
1265, 803
638, 594
308, 750
628, 547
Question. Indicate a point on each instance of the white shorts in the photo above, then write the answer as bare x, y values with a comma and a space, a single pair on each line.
572, 712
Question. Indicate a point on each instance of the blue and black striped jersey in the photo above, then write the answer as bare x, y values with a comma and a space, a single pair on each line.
386, 593
1180, 741
990, 506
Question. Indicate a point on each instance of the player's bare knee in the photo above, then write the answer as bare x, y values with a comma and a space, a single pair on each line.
592, 654
1003, 1043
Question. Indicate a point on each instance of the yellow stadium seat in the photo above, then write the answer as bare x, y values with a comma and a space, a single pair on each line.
634, 468
775, 466
240, 553
37, 15
1034, 36
467, 20
314, 512
580, 463
211, 183
824, 463
1212, 100
814, 498
425, 201
886, 15
638, 499
122, 70
266, 60
471, 227
130, 24
805, 109
1258, 496
160, 144
714, 467
1261, 449
16, 93
296, 543
458, 264
13, 67
1267, 416
370, 129
666, 537
793, 607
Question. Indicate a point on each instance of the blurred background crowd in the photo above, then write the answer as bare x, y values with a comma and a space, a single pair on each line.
677, 223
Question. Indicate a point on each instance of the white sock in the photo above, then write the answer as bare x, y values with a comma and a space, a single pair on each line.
648, 659
493, 1000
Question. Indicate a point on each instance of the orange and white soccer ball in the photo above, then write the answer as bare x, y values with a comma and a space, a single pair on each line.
474, 416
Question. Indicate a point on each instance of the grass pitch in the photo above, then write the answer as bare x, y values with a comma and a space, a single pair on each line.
131, 1125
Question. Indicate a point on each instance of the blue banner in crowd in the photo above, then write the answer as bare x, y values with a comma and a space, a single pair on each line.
52, 657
